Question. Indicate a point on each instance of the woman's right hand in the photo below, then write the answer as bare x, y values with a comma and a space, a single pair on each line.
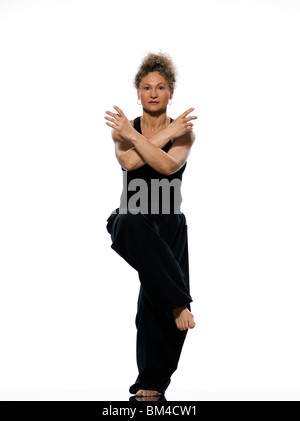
182, 124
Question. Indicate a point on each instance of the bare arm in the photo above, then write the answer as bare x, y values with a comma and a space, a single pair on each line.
167, 163
128, 156
180, 151
163, 162
158, 159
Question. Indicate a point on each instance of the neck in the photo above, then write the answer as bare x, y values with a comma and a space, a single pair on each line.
155, 121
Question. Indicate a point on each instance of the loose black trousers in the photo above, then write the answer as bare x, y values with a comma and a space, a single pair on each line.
156, 245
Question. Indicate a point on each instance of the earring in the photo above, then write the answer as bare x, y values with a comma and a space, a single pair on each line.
170, 103
138, 102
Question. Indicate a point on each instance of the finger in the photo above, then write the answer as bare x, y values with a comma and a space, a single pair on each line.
110, 125
189, 124
112, 114
191, 118
119, 110
110, 119
187, 112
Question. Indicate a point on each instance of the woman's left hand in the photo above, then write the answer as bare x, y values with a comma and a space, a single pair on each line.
120, 123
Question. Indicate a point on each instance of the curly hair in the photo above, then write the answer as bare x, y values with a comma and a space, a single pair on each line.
161, 63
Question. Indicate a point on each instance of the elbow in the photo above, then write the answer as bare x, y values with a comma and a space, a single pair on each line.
126, 166
124, 163
169, 167
168, 171
173, 168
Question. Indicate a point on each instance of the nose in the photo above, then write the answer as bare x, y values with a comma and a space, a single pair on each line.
153, 93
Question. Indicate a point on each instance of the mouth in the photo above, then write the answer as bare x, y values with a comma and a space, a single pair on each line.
153, 102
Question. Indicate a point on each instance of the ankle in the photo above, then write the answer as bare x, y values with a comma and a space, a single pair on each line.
176, 311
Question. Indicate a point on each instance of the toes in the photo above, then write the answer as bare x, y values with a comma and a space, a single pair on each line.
140, 392
181, 325
153, 393
192, 324
178, 325
145, 393
185, 324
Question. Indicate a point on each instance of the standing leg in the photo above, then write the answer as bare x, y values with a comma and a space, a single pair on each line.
159, 342
158, 347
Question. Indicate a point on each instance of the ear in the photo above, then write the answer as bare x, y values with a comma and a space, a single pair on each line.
171, 95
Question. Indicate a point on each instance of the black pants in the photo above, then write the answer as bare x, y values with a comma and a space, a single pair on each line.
157, 247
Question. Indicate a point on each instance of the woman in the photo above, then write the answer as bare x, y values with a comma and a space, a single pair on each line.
148, 230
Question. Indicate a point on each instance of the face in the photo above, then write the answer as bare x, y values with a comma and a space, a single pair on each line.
154, 92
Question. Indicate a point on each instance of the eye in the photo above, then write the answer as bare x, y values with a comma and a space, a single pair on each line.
146, 87
161, 87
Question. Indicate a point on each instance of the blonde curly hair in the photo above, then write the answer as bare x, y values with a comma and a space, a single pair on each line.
161, 63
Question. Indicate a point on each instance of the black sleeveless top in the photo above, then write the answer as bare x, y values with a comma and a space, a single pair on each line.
146, 190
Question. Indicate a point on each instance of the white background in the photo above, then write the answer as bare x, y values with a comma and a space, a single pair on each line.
67, 300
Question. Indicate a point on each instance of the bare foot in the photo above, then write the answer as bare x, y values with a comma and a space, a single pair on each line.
147, 398
183, 318
143, 392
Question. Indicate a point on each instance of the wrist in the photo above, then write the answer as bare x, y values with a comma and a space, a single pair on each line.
130, 135
170, 133
133, 136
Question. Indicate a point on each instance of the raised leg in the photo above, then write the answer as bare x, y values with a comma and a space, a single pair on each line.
137, 239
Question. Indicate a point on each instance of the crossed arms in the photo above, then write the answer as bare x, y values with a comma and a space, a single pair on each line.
149, 150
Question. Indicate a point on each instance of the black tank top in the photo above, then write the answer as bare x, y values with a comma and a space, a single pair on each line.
145, 190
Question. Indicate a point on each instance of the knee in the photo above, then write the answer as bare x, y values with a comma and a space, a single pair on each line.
139, 223
130, 221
